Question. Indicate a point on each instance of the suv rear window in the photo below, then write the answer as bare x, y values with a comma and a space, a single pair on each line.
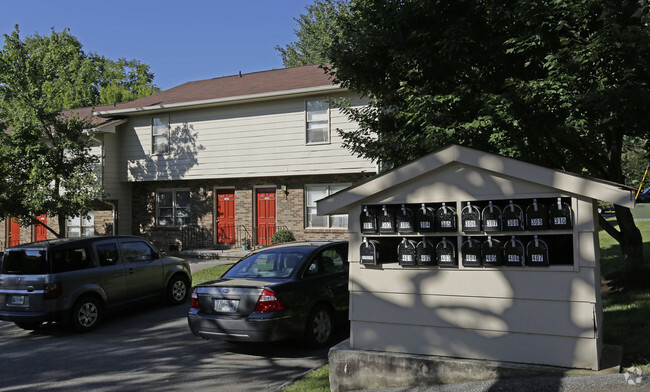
25, 262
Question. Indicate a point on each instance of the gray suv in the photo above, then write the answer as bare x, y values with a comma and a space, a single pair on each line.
75, 280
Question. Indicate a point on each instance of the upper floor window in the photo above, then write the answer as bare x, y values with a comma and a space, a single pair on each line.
173, 207
315, 193
160, 135
318, 121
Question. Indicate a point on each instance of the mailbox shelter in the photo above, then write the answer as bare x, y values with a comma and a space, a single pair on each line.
491, 304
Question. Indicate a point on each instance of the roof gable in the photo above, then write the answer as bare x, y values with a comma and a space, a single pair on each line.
454, 156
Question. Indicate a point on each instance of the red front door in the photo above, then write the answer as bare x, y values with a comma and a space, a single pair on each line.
14, 232
265, 215
40, 232
226, 217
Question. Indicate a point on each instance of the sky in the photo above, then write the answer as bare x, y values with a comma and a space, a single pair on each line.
181, 40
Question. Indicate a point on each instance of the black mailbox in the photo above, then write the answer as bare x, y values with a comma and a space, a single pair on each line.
471, 250
425, 252
425, 219
405, 220
560, 215
470, 217
514, 253
386, 220
536, 216
513, 217
446, 218
446, 253
369, 252
491, 218
368, 220
406, 252
491, 252
537, 251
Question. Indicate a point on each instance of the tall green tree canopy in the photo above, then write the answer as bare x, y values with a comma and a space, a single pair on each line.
315, 32
46, 164
556, 83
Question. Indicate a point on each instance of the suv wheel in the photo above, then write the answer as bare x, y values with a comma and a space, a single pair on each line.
319, 327
177, 290
86, 314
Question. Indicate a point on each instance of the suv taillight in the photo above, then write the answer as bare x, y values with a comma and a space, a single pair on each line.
268, 302
195, 299
52, 290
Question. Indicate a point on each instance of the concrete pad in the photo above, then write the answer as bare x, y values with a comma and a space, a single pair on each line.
360, 369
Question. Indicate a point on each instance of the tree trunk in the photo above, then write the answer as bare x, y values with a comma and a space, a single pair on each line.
62, 230
630, 239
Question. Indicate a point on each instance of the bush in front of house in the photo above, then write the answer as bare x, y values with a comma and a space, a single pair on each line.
281, 236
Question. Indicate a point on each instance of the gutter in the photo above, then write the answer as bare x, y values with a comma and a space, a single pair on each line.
217, 101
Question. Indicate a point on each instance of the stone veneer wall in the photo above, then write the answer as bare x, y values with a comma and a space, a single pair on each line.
290, 207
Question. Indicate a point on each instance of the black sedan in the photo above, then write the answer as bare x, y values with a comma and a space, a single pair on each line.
287, 291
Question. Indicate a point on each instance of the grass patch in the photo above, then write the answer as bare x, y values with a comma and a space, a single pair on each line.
209, 274
316, 381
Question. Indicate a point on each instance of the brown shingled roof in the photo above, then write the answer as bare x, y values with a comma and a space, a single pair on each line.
277, 80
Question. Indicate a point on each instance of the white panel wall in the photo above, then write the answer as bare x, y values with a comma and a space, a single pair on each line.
246, 140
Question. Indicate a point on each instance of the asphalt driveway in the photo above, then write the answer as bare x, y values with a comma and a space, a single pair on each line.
144, 350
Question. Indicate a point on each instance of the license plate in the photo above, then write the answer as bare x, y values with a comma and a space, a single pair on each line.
17, 300
226, 305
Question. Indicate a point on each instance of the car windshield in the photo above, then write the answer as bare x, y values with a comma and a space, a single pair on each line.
25, 262
271, 263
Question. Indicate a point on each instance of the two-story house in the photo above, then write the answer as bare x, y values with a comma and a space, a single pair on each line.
225, 161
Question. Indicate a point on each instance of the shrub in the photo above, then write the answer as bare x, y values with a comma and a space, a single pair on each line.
281, 236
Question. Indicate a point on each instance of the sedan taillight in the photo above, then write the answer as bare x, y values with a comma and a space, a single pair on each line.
268, 302
195, 299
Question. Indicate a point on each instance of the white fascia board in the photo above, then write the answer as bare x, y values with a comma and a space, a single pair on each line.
219, 101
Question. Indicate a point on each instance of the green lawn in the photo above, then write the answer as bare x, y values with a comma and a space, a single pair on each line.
209, 274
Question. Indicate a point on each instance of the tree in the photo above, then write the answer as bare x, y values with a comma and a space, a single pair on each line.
556, 83
315, 33
47, 166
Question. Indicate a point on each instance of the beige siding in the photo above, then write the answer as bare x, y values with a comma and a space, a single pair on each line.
114, 190
246, 140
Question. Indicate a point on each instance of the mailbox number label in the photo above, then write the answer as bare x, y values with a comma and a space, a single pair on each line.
445, 223
512, 222
537, 222
405, 225
514, 258
490, 258
367, 258
425, 225
491, 223
446, 258
470, 258
386, 225
537, 258
407, 257
368, 225
470, 223
560, 220
425, 258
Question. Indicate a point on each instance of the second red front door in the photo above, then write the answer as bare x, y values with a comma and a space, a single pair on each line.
265, 215
226, 216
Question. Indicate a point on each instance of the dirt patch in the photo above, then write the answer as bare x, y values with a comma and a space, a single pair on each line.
623, 281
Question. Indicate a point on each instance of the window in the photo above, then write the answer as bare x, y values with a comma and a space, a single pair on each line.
173, 207
81, 225
107, 254
160, 135
329, 261
315, 193
70, 260
137, 251
318, 124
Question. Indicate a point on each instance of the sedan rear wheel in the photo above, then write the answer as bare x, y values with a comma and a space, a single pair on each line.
319, 327
86, 314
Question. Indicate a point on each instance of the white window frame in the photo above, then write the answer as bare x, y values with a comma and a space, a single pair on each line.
160, 131
328, 218
312, 122
82, 223
174, 207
